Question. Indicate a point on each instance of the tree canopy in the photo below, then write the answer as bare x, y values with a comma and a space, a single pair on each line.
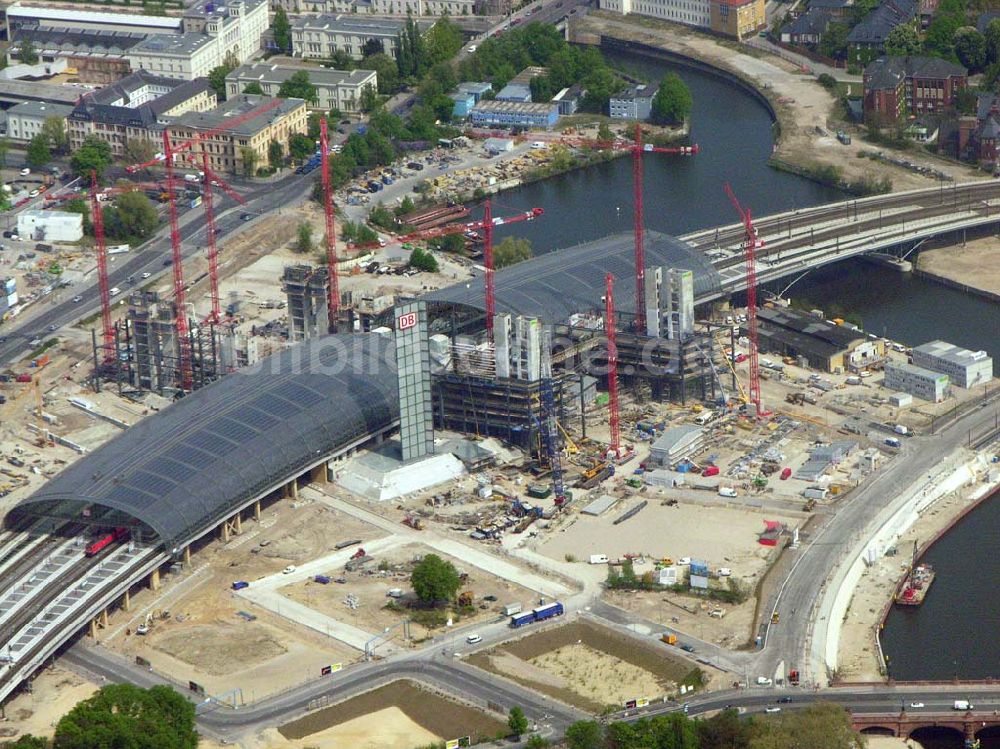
217, 75
282, 30
434, 580
298, 86
970, 48
672, 102
94, 154
38, 153
903, 40
133, 218
510, 251
253, 87
385, 70
122, 715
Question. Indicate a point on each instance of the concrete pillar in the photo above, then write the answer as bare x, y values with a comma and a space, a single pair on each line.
256, 510
187, 555
238, 524
224, 532
126, 601
294, 486
93, 629
104, 618
154, 579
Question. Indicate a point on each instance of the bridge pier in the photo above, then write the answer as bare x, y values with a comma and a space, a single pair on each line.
319, 474
126, 600
154, 579
187, 555
291, 489
256, 510
98, 622
231, 527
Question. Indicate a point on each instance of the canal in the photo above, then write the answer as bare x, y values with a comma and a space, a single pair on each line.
953, 634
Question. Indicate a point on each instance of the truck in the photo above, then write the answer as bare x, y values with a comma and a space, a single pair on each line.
537, 614
727, 491
962, 705
598, 558
900, 429
893, 442
511, 608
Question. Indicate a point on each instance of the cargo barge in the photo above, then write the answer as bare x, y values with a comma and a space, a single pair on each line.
916, 585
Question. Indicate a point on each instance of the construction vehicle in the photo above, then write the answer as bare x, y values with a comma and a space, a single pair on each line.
793, 677
414, 523
669, 639
595, 475
465, 598
571, 446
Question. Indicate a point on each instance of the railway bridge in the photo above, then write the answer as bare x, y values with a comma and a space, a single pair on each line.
970, 725
796, 242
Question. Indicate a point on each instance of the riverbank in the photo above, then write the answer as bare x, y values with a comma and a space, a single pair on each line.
929, 515
803, 110
971, 267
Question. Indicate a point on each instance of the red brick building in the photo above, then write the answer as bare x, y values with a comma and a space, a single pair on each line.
895, 86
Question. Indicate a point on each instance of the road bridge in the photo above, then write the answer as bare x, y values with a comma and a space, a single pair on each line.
798, 241
972, 724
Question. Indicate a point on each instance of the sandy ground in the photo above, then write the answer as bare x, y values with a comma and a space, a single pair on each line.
204, 638
892, 742
722, 536
598, 676
54, 692
974, 264
389, 728
858, 656
806, 105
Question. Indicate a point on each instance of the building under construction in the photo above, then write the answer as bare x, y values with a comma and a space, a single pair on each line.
306, 290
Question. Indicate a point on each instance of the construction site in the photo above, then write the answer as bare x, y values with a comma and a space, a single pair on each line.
570, 429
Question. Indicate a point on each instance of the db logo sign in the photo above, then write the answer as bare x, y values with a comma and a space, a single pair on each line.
407, 321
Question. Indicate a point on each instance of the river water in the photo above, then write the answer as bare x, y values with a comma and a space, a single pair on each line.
954, 632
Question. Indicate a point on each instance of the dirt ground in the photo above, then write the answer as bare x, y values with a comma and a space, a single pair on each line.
54, 692
371, 584
205, 638
388, 728
586, 665
433, 712
722, 536
690, 615
803, 105
974, 264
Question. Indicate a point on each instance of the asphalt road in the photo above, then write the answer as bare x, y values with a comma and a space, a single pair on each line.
150, 258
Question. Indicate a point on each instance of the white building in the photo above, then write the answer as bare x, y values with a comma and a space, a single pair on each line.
25, 120
381, 7
320, 37
50, 226
212, 32
917, 381
339, 89
690, 12
46, 16
965, 368
634, 103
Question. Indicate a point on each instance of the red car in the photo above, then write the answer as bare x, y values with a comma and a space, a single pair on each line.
739, 358
710, 471
785, 474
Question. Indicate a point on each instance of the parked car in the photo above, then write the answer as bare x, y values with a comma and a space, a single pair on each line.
25, 172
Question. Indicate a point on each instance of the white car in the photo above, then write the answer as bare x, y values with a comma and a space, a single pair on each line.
288, 570
916, 704
34, 193
77, 299
472, 48
146, 275
25, 172
772, 709
473, 639
684, 561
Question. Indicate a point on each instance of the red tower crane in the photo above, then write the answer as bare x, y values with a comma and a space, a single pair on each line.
107, 331
213, 251
491, 297
750, 245
180, 314
333, 299
609, 330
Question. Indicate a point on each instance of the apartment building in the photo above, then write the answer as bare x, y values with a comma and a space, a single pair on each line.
225, 147
340, 89
136, 107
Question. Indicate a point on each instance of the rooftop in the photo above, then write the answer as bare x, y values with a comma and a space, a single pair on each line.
181, 45
951, 353
838, 336
558, 284
523, 107
813, 21
271, 73
234, 107
88, 16
351, 24
40, 91
186, 468
874, 28
127, 102
85, 41
41, 109
641, 91
915, 370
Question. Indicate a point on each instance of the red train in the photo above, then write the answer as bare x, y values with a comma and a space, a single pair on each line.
104, 541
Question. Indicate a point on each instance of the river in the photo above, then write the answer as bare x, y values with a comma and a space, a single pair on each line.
947, 636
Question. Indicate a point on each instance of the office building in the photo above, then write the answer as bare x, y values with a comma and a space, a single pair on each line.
965, 368
335, 89
25, 120
634, 103
917, 381
514, 114
320, 37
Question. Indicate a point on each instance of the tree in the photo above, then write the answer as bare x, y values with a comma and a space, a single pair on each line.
133, 217
970, 48
405, 206
217, 75
993, 41
139, 150
423, 260
584, 734
29, 56
27, 741
819, 726
510, 251
434, 580
275, 154
94, 154
834, 42
4, 149
517, 721
443, 41
903, 40
453, 243
536, 742
385, 70
604, 133
81, 206
369, 99
54, 129
372, 47
304, 238
249, 158
125, 715
672, 103
301, 146
38, 151
253, 88
298, 87
282, 30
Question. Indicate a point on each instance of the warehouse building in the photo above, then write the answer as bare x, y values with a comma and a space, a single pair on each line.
514, 114
50, 226
965, 368
825, 345
917, 381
